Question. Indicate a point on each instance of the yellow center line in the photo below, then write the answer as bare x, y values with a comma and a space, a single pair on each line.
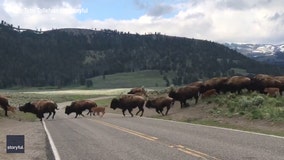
152, 138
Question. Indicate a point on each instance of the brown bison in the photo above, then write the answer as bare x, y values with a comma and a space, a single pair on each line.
4, 104
281, 79
217, 83
98, 110
160, 103
40, 107
262, 81
209, 93
273, 92
237, 84
128, 102
197, 84
184, 93
138, 91
79, 106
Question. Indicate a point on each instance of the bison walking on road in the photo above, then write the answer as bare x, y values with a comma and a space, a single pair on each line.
79, 106
160, 103
40, 107
128, 102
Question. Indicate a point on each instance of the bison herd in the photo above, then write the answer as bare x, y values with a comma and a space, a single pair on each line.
138, 98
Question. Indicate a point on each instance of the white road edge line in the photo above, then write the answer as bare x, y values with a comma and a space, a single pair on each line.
53, 148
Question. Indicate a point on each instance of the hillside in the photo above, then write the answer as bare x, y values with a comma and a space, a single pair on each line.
66, 57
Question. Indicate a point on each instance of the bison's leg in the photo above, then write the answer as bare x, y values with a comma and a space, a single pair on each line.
196, 99
48, 115
6, 111
157, 110
168, 108
141, 109
130, 110
53, 114
123, 112
161, 110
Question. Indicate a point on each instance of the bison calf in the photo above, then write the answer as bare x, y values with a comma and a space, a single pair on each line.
79, 106
160, 103
271, 91
98, 110
40, 107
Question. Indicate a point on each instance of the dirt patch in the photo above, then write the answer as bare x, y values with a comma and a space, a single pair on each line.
36, 147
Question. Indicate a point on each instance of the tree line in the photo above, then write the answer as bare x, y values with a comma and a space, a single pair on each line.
70, 56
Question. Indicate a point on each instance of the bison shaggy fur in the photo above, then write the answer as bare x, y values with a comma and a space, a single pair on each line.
237, 84
217, 83
184, 93
40, 107
160, 103
129, 102
79, 106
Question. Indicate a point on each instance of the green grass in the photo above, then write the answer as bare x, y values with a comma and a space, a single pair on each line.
249, 105
148, 78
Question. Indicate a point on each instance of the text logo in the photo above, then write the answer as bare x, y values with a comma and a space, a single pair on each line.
15, 144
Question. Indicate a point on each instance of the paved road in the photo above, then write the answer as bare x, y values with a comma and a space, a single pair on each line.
115, 137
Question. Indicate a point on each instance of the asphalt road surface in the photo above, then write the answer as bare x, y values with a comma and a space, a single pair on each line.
115, 137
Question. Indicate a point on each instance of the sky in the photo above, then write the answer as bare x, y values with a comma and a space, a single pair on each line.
231, 21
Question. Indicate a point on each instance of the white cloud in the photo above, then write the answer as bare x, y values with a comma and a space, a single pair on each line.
253, 21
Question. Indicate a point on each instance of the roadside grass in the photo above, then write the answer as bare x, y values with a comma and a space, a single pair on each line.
250, 105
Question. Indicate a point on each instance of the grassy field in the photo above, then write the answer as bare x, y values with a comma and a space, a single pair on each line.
151, 78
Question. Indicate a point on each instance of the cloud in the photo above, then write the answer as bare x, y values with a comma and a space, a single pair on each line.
253, 21
160, 10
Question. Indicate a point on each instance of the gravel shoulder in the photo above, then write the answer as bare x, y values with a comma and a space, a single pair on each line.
36, 146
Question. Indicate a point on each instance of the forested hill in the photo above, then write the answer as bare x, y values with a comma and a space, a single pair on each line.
70, 56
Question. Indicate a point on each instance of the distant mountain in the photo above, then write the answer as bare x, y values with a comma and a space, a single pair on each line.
268, 53
69, 56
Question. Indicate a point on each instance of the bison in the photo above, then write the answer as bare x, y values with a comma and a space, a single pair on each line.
40, 107
209, 93
237, 84
262, 81
281, 79
98, 110
273, 92
4, 104
138, 91
128, 102
184, 93
217, 83
160, 103
79, 106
